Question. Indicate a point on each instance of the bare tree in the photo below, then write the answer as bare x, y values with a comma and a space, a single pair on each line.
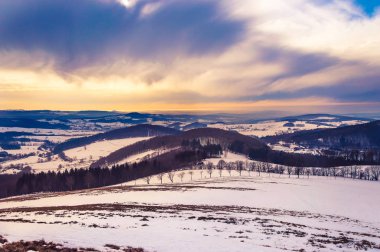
259, 167
334, 171
251, 167
160, 177
344, 171
239, 166
209, 167
229, 167
148, 179
191, 175
171, 176
269, 168
201, 172
308, 173
281, 170
221, 164
298, 170
375, 172
181, 175
289, 169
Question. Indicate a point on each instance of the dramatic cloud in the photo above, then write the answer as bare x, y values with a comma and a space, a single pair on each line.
80, 33
175, 54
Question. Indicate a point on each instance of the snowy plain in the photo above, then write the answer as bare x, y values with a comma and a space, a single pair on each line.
221, 213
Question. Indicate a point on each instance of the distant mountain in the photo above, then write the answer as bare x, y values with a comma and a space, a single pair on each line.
362, 137
194, 125
31, 123
312, 118
104, 120
322, 118
142, 130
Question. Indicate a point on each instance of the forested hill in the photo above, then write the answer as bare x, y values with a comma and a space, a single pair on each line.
360, 137
141, 130
201, 136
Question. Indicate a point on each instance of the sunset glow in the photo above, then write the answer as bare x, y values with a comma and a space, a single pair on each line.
201, 55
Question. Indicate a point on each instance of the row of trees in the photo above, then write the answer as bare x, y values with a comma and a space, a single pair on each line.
166, 163
76, 179
208, 169
355, 172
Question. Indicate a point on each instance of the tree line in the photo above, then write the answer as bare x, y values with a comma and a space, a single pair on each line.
77, 179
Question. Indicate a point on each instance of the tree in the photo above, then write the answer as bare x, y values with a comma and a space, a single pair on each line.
334, 171
220, 166
298, 171
251, 167
191, 175
344, 171
239, 166
281, 170
269, 168
148, 179
229, 167
70, 182
375, 172
89, 179
308, 173
181, 175
171, 176
209, 167
289, 169
160, 177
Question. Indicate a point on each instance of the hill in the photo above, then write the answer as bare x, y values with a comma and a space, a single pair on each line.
201, 136
207, 140
361, 137
142, 130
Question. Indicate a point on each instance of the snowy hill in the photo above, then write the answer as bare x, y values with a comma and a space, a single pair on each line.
228, 213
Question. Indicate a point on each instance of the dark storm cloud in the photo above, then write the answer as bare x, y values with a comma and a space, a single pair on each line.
81, 33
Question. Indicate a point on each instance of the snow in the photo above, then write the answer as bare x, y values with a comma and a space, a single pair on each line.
81, 157
31, 147
144, 155
101, 148
228, 157
49, 131
271, 128
294, 148
237, 213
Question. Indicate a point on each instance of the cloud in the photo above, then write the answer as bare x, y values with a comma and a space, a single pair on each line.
81, 33
192, 52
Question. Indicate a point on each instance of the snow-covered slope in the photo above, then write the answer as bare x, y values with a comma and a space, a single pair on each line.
278, 127
247, 213
80, 157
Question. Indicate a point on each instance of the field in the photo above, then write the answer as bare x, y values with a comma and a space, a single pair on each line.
80, 157
227, 213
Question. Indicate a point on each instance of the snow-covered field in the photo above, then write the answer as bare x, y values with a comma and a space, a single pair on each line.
237, 213
271, 128
81, 157
101, 148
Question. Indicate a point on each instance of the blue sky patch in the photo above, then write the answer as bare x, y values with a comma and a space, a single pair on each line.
369, 6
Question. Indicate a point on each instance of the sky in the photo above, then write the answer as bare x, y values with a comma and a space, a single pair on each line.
197, 56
